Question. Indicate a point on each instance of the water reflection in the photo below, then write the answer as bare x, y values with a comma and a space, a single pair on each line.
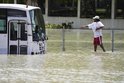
33, 69
19, 69
13, 61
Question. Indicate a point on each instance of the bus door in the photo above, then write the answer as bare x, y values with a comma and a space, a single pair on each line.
17, 41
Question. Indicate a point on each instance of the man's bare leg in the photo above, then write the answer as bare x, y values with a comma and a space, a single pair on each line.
95, 48
102, 47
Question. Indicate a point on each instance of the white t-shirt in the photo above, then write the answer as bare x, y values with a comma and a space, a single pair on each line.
98, 25
94, 26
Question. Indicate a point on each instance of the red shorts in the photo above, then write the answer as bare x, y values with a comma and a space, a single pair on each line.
97, 40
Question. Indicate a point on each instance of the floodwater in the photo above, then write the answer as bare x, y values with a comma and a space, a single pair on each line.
61, 68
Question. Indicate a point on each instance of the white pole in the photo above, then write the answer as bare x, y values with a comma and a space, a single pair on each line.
63, 37
46, 7
15, 1
112, 20
27, 2
78, 8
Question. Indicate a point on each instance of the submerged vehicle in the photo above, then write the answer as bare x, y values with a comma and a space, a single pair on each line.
22, 30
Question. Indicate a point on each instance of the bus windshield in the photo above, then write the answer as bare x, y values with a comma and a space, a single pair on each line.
37, 22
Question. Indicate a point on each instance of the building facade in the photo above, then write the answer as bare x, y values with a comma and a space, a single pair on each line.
80, 12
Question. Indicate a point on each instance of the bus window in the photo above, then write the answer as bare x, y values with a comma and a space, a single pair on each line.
3, 13
2, 25
3, 19
13, 32
37, 21
16, 13
36, 34
23, 32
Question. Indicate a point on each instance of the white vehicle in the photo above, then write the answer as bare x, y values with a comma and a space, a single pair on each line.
22, 30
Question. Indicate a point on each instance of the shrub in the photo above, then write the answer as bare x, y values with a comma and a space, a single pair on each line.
53, 26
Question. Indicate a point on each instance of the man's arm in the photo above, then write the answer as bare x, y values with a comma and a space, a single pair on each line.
99, 28
86, 26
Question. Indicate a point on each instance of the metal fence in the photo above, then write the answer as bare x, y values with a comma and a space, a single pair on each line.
81, 40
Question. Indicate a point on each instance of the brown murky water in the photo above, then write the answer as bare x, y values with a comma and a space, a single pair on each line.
61, 68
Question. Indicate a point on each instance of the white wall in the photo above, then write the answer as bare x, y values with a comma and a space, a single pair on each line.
78, 22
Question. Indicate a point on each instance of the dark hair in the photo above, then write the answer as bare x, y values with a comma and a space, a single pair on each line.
96, 20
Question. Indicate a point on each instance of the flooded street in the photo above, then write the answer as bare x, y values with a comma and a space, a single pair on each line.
20, 69
62, 68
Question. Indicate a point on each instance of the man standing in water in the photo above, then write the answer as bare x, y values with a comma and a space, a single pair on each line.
97, 27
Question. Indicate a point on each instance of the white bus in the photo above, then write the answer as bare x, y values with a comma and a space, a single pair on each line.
22, 30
